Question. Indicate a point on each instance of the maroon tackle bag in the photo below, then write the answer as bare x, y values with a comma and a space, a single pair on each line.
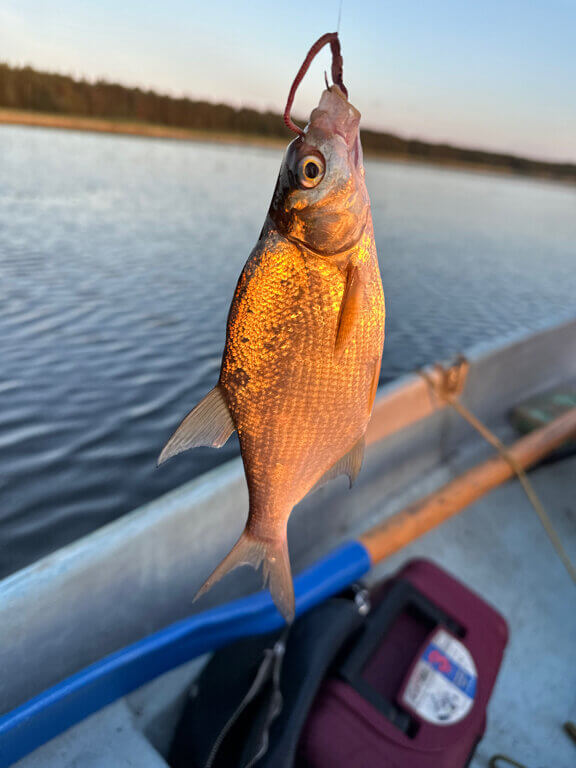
396, 678
413, 690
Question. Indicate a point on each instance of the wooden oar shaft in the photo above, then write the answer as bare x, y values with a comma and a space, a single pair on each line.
427, 513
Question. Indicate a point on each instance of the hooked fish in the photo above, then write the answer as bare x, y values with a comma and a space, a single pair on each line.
304, 338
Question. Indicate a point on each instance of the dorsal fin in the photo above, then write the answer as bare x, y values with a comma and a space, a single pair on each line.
209, 423
350, 464
349, 309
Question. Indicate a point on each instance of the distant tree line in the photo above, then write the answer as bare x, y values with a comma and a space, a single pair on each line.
28, 89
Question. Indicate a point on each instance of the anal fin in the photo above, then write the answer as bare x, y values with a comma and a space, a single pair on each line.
350, 464
209, 423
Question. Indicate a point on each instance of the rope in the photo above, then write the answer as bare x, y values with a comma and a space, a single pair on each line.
448, 390
495, 759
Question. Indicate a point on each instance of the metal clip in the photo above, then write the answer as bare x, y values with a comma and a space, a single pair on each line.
362, 599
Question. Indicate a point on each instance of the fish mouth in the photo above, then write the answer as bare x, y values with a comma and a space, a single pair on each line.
335, 116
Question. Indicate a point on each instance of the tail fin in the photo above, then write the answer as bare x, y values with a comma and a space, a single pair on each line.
250, 550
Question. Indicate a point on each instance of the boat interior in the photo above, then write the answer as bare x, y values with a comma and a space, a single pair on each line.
139, 574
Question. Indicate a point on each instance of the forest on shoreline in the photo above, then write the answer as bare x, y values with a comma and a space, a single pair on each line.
27, 89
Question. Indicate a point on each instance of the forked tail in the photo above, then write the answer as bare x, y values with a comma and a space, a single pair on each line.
272, 554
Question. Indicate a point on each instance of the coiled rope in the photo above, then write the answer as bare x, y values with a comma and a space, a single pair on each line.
449, 390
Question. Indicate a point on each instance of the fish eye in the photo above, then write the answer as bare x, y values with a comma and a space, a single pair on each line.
310, 171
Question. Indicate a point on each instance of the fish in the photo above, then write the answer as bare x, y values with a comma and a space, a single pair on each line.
304, 342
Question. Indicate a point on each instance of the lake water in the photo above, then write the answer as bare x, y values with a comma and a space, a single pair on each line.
118, 260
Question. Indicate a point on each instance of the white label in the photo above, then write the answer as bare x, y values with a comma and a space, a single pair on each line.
442, 686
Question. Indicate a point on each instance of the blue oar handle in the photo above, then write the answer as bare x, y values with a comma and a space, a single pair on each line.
67, 703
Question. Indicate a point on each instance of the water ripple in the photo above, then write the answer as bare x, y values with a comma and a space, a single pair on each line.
116, 277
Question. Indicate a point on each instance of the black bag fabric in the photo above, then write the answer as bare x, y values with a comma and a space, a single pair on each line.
236, 716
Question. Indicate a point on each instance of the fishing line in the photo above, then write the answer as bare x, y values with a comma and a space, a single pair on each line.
339, 17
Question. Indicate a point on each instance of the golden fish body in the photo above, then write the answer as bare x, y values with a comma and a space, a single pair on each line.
304, 342
297, 405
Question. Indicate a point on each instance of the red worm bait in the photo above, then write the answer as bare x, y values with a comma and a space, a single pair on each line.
337, 64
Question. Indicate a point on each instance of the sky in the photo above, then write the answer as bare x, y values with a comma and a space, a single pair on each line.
494, 74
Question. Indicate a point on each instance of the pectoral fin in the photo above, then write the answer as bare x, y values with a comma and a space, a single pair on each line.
374, 385
209, 423
349, 309
350, 464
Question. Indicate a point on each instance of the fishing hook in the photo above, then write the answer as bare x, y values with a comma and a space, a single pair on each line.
337, 65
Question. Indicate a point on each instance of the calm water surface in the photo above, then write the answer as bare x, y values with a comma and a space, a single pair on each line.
118, 260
